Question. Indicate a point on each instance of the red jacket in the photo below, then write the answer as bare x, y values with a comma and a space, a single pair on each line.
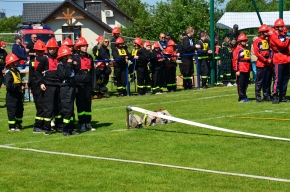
241, 59
262, 51
279, 44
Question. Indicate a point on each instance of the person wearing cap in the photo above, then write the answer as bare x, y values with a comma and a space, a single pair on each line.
3, 54
65, 71
234, 33
30, 47
14, 93
19, 50
84, 68
48, 80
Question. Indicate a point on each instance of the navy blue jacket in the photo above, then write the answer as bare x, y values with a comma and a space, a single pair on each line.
19, 51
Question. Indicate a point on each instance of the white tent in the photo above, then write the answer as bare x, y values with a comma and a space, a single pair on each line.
247, 20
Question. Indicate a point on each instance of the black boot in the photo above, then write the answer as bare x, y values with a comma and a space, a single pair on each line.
275, 99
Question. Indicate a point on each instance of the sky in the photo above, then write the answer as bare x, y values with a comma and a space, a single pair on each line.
14, 7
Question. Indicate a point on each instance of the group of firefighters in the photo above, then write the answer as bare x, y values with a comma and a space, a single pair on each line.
58, 76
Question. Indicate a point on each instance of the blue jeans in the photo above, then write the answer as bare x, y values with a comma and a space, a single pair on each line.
254, 70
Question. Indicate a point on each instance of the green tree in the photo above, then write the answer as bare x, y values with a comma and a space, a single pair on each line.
8, 25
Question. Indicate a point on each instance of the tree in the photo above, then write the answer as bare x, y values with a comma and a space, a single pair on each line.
8, 25
172, 16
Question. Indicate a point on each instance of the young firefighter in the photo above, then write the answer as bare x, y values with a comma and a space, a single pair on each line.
69, 44
115, 33
142, 57
170, 69
38, 98
280, 46
121, 54
264, 64
67, 90
217, 58
84, 66
156, 67
203, 58
241, 64
102, 71
14, 95
96, 47
3, 54
46, 77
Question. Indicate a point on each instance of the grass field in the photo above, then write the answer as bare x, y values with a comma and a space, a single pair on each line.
93, 161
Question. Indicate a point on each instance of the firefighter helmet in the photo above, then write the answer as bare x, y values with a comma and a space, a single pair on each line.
242, 37
10, 58
63, 51
171, 43
147, 43
101, 64
138, 41
67, 42
119, 41
2, 43
168, 51
156, 45
116, 30
39, 45
99, 38
279, 23
51, 43
263, 28
81, 42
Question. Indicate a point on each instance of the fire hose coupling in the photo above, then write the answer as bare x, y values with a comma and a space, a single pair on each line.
129, 108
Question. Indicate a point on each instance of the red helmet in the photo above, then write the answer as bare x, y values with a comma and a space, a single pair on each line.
242, 37
67, 42
10, 58
171, 43
116, 30
119, 40
99, 38
263, 28
51, 43
39, 45
156, 45
63, 51
81, 42
168, 51
138, 41
2, 43
279, 23
147, 43
101, 64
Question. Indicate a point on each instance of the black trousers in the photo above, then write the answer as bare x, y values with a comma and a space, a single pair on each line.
143, 79
156, 78
242, 84
187, 70
84, 103
51, 106
204, 70
38, 97
15, 112
120, 75
263, 82
67, 97
171, 78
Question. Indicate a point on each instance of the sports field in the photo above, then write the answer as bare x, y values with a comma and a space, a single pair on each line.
172, 157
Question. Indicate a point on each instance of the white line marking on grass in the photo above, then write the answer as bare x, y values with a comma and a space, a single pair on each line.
149, 163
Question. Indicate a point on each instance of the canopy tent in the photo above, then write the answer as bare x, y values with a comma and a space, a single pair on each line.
247, 20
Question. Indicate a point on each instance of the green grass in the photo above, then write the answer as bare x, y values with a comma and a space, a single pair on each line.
173, 144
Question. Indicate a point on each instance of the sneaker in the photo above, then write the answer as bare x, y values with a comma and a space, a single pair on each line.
52, 123
106, 95
83, 128
38, 130
47, 132
74, 133
268, 99
244, 100
12, 129
17, 129
19, 126
259, 100
284, 99
89, 127
65, 133
121, 95
275, 100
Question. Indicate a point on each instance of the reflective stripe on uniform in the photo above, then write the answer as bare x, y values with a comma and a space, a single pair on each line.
11, 122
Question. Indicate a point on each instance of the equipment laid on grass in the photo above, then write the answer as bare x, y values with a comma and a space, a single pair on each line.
160, 115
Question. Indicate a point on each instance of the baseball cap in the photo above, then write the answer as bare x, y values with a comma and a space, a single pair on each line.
235, 26
17, 37
183, 33
168, 34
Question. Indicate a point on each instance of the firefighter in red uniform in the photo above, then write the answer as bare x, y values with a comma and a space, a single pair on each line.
84, 66
40, 48
264, 64
14, 95
170, 66
280, 45
156, 67
67, 88
46, 77
122, 56
241, 65
142, 59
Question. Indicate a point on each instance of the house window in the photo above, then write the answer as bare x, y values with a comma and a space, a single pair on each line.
76, 30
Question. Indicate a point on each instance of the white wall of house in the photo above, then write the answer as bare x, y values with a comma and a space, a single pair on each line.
116, 21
